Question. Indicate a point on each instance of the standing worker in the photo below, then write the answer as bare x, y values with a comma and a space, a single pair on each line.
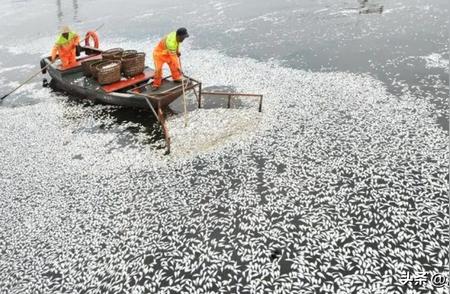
66, 47
168, 51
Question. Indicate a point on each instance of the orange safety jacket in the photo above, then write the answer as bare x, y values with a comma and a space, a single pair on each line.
168, 46
66, 48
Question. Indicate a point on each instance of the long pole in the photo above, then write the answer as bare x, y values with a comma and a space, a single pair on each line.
34, 75
23, 83
184, 95
160, 120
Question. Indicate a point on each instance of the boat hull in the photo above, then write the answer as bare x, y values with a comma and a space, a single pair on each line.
119, 99
74, 83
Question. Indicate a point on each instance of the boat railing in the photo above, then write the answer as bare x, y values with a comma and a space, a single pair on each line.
191, 84
231, 95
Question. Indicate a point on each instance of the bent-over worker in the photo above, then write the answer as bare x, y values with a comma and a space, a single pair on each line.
168, 51
66, 47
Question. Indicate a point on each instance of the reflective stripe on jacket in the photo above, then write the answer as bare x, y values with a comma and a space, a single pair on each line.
169, 45
65, 48
61, 41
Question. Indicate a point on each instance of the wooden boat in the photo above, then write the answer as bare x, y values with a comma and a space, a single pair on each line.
132, 92
129, 92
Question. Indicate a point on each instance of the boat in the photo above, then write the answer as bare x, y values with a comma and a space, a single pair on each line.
133, 92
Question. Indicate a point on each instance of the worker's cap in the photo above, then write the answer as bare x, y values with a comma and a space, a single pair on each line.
182, 32
65, 29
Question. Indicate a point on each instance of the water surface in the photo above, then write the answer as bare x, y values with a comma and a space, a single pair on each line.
339, 186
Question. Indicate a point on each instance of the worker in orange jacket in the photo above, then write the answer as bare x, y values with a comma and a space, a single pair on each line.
66, 47
168, 51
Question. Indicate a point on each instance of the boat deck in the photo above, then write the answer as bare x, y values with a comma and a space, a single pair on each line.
75, 76
166, 88
126, 83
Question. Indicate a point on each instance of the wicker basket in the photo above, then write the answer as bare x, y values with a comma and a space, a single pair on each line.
112, 54
129, 53
134, 65
108, 72
86, 65
93, 67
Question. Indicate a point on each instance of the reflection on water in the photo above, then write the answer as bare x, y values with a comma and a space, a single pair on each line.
60, 13
367, 6
75, 9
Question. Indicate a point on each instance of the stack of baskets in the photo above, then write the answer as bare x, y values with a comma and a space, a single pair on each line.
128, 53
114, 62
89, 67
113, 54
108, 72
133, 64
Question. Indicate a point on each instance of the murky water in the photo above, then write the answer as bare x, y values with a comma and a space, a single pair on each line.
339, 186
